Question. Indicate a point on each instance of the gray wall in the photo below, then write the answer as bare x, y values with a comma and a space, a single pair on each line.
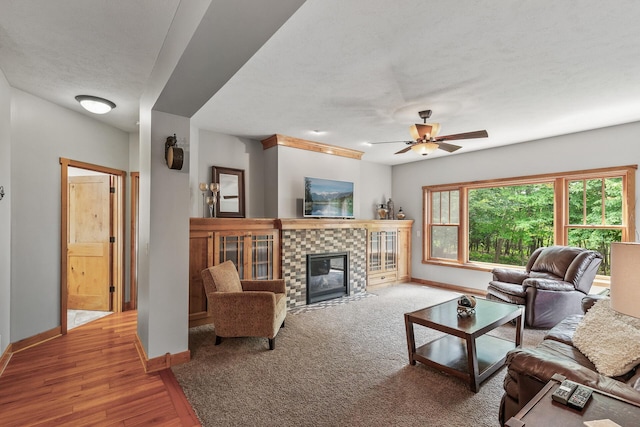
5, 213
41, 133
606, 147
218, 149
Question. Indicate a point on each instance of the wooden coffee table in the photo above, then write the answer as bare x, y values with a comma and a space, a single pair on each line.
466, 351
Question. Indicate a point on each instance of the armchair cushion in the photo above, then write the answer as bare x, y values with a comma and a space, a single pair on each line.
555, 260
226, 277
609, 339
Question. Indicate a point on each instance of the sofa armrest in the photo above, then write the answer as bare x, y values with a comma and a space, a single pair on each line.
509, 275
276, 285
589, 300
548, 285
539, 365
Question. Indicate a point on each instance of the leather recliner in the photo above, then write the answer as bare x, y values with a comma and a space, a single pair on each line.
555, 280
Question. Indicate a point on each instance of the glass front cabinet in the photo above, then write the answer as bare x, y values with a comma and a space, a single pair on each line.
388, 252
252, 245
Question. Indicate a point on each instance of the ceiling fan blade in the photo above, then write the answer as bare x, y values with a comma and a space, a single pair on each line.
449, 148
404, 150
466, 135
391, 142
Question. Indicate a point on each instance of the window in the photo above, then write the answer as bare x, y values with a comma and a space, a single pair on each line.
507, 223
503, 221
445, 222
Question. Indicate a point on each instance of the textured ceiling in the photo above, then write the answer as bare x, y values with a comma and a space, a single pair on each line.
63, 48
358, 70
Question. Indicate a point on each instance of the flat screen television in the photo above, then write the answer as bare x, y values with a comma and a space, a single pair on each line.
328, 198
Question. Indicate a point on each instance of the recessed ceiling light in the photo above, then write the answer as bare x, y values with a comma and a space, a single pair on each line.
95, 104
318, 132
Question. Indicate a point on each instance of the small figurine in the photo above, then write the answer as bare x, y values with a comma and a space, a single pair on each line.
466, 306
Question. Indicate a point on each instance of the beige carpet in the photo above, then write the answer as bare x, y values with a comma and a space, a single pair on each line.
345, 365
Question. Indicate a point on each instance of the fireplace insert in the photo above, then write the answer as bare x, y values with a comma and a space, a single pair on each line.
327, 276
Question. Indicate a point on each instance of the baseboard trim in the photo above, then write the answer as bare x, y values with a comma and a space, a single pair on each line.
161, 362
6, 357
449, 287
36, 339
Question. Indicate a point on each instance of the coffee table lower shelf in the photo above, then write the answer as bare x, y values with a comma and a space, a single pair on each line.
449, 354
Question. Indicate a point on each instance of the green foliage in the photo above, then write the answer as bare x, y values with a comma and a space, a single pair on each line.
507, 223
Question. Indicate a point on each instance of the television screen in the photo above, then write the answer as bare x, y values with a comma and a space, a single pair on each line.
327, 198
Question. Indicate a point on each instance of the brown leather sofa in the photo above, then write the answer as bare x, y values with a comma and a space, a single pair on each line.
529, 369
551, 287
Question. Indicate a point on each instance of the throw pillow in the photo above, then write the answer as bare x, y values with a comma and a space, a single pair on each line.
226, 277
609, 339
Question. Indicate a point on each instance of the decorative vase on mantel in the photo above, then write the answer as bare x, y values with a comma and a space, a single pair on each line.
382, 212
400, 214
390, 210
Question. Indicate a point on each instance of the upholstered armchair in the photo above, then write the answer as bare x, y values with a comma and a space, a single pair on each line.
552, 286
243, 308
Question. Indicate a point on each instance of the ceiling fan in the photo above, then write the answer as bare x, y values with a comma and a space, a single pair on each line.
426, 140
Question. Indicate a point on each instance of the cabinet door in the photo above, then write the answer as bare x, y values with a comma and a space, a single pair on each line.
390, 250
200, 257
404, 254
232, 246
263, 249
376, 245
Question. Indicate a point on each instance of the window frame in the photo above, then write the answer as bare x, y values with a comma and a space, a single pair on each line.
560, 182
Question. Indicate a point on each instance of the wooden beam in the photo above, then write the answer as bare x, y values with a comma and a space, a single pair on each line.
303, 144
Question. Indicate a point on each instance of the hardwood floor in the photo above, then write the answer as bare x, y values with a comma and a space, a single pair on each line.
91, 376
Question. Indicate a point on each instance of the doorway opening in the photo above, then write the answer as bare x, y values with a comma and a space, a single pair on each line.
92, 241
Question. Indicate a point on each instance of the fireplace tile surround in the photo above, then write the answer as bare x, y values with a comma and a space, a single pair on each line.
298, 242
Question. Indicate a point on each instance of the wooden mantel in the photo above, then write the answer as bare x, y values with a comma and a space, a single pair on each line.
248, 224
329, 223
303, 144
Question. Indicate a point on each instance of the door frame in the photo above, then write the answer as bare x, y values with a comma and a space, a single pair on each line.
118, 221
133, 239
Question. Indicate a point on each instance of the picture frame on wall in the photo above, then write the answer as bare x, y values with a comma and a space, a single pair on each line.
231, 196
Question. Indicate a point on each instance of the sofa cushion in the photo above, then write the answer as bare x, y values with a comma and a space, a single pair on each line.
226, 277
609, 339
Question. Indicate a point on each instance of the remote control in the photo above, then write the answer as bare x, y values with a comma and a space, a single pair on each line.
579, 398
563, 392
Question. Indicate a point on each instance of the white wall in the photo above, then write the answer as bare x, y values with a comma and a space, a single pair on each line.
218, 149
294, 164
41, 133
374, 189
607, 147
5, 213
163, 302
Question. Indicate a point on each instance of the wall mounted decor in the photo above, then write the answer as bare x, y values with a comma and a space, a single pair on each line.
173, 155
231, 191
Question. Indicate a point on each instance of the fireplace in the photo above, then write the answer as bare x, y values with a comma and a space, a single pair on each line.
327, 276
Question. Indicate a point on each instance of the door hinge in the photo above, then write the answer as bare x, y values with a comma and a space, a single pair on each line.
112, 189
112, 239
112, 288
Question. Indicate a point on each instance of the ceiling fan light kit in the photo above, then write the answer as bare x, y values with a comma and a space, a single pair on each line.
426, 140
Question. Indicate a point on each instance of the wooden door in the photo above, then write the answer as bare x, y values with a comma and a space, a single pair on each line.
88, 252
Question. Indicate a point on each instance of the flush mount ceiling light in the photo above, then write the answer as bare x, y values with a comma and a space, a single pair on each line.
95, 104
